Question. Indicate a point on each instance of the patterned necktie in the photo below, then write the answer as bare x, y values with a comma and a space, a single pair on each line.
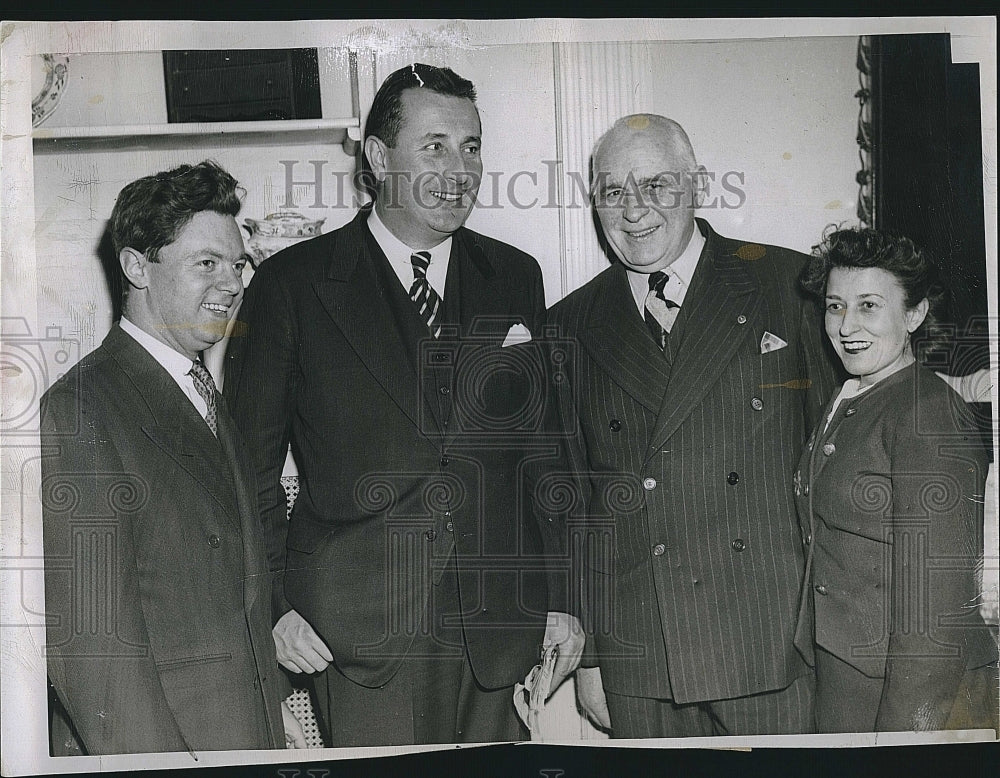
660, 313
422, 293
205, 386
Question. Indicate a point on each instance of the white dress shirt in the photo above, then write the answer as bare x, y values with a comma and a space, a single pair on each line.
398, 254
172, 361
681, 271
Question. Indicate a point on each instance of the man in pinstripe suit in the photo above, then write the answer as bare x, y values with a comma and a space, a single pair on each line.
697, 372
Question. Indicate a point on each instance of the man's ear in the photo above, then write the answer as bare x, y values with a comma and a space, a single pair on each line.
700, 184
375, 152
134, 267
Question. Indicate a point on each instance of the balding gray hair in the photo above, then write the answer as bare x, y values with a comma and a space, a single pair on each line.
673, 137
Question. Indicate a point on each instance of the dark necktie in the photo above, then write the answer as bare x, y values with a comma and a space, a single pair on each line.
660, 312
422, 293
205, 386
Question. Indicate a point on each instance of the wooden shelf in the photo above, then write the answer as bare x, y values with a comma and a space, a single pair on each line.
347, 132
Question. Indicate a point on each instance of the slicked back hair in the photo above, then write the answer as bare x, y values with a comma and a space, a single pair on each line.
386, 116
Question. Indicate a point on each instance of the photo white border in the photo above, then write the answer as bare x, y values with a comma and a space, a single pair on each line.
22, 697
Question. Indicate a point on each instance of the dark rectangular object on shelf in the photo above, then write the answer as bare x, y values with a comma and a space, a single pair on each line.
242, 85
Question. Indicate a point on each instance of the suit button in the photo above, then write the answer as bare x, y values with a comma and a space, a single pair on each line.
805, 489
829, 448
450, 527
741, 319
733, 478
214, 541
649, 484
757, 404
614, 425
659, 549
444, 390
444, 461
820, 589
738, 544
430, 534
808, 539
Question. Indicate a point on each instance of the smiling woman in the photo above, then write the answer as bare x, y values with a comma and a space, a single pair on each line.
891, 480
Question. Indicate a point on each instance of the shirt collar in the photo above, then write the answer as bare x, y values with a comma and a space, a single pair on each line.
681, 272
172, 361
397, 252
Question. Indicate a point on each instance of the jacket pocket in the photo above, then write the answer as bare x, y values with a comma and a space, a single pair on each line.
188, 661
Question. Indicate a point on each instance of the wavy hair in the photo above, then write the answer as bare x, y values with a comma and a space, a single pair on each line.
863, 247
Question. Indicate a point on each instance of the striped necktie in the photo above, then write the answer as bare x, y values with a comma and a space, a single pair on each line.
205, 386
660, 312
422, 293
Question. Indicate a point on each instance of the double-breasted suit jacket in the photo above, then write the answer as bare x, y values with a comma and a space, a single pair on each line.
411, 450
693, 560
157, 591
890, 498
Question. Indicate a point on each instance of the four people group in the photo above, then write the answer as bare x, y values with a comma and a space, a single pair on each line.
483, 482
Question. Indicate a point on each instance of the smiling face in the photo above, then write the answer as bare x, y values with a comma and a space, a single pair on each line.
868, 322
429, 180
645, 194
186, 297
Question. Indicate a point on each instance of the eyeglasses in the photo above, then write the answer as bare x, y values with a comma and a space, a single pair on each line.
665, 191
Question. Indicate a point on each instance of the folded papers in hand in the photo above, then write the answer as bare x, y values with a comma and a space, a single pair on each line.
529, 697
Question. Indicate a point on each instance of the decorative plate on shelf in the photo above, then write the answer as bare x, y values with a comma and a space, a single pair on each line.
49, 75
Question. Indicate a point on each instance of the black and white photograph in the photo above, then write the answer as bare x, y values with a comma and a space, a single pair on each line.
373, 388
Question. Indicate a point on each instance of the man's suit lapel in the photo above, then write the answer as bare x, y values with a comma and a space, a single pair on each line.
483, 304
617, 339
356, 301
170, 421
720, 310
475, 313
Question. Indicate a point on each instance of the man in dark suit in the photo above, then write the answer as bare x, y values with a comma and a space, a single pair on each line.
395, 354
697, 371
156, 586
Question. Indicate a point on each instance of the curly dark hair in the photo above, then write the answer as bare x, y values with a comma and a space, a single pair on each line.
386, 115
150, 212
863, 247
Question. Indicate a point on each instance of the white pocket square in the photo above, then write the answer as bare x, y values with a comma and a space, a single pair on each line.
516, 335
771, 342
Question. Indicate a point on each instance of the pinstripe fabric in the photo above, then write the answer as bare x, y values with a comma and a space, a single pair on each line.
692, 557
783, 712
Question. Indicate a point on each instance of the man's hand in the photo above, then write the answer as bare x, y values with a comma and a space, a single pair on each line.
294, 736
590, 696
298, 646
564, 631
